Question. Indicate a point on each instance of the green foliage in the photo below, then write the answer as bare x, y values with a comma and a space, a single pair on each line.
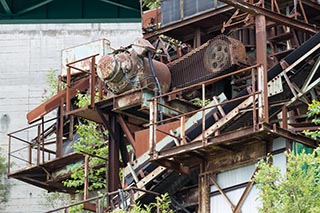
4, 184
314, 112
92, 143
299, 189
198, 102
52, 84
151, 4
296, 191
162, 203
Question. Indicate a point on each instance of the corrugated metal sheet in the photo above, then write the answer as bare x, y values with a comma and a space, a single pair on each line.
171, 12
192, 7
280, 160
219, 204
234, 177
278, 143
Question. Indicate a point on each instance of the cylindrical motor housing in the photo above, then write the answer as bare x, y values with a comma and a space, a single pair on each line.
124, 70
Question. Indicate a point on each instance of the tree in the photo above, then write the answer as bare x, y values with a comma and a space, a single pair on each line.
4, 184
297, 191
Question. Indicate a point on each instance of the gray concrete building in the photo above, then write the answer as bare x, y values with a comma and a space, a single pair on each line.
27, 52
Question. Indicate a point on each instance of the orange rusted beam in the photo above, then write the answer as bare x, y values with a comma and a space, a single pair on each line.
54, 101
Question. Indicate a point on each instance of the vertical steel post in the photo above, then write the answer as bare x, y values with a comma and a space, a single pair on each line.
182, 130
284, 117
153, 127
86, 177
38, 145
68, 89
113, 155
30, 154
60, 131
203, 114
261, 48
92, 81
42, 138
204, 203
253, 85
9, 155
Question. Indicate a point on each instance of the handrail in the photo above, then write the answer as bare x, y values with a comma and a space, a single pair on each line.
254, 93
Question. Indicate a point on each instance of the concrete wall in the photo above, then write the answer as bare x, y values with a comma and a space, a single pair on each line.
27, 52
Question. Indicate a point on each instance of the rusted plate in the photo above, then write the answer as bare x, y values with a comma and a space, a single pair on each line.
142, 137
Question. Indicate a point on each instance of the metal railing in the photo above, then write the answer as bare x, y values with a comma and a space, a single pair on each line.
39, 149
120, 199
253, 101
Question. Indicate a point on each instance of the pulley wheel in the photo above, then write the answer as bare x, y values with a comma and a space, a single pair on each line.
216, 57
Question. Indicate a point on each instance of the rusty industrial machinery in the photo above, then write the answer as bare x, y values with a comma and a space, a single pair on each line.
195, 109
131, 69
211, 59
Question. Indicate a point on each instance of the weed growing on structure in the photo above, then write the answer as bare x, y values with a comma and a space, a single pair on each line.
91, 142
161, 205
4, 185
298, 190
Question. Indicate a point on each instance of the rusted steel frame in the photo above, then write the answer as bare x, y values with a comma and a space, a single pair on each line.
31, 145
21, 148
311, 4
19, 158
102, 196
311, 74
38, 145
93, 155
100, 89
60, 130
174, 166
303, 12
188, 21
291, 136
281, 19
30, 154
29, 127
284, 117
9, 155
76, 68
105, 122
153, 126
86, 178
92, 82
68, 90
207, 82
169, 107
54, 101
245, 193
20, 139
261, 39
222, 192
253, 87
166, 133
189, 147
182, 130
206, 108
82, 59
113, 155
123, 148
127, 131
203, 199
42, 139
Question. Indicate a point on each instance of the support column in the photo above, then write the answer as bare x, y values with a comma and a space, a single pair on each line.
261, 49
113, 155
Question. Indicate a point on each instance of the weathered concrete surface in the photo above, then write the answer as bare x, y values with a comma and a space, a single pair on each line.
27, 52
